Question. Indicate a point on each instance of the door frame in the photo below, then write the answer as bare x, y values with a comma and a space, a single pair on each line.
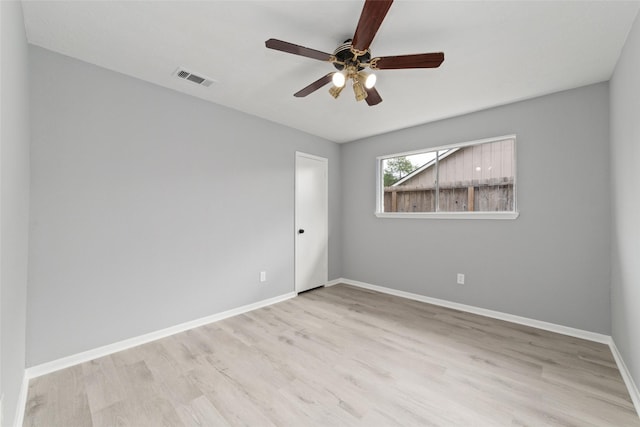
325, 162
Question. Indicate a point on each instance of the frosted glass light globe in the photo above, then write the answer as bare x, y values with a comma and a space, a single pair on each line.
338, 79
371, 81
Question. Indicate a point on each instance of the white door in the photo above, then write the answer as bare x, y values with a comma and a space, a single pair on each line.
311, 222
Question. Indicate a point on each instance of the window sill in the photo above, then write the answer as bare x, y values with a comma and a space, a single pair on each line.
449, 215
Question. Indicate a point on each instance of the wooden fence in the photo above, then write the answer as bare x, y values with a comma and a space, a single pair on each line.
480, 196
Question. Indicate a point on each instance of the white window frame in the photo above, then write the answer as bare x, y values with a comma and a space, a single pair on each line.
379, 212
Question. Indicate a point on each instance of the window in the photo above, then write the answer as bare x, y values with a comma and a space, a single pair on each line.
469, 180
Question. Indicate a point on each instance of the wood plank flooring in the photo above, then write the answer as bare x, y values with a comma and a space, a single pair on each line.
343, 356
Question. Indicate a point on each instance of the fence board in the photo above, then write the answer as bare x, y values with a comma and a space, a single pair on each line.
458, 198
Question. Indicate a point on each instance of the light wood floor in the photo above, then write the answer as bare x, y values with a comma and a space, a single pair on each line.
343, 356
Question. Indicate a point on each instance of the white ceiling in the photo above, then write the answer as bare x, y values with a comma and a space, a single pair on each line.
495, 53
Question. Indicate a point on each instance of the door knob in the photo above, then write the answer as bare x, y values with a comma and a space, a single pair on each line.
300, 231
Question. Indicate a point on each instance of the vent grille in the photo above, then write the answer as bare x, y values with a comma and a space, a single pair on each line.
198, 79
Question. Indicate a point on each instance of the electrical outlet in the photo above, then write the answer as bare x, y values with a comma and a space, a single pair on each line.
263, 276
460, 279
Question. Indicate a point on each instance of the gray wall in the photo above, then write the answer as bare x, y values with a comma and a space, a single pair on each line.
14, 201
152, 208
625, 187
550, 264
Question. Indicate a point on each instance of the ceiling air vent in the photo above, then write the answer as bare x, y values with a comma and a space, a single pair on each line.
198, 79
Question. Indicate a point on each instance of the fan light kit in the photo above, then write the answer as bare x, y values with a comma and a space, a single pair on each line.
353, 56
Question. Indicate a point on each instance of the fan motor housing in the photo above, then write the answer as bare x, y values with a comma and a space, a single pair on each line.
344, 54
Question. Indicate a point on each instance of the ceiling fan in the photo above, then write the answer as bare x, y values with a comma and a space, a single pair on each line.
353, 56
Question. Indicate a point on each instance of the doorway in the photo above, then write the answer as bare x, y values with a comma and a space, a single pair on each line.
311, 221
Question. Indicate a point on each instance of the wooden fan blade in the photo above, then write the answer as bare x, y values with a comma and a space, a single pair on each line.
297, 50
420, 60
314, 86
373, 97
371, 18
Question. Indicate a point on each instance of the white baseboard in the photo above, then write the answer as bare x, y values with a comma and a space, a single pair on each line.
626, 376
21, 407
565, 330
334, 282
65, 362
